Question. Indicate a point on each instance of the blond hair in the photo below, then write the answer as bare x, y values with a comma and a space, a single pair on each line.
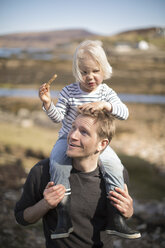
95, 50
105, 122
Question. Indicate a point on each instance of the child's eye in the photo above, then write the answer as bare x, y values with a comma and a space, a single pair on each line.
96, 70
83, 72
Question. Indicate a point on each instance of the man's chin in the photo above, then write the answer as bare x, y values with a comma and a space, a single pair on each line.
71, 154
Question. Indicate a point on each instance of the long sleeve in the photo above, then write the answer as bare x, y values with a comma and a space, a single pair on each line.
57, 113
72, 96
119, 109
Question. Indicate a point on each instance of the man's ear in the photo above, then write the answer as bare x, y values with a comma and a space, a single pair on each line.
102, 145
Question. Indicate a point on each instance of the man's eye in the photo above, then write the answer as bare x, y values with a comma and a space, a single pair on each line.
72, 128
84, 132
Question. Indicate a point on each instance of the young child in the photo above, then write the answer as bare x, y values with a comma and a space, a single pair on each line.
90, 68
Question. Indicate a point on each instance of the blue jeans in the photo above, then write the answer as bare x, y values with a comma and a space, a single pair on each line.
61, 165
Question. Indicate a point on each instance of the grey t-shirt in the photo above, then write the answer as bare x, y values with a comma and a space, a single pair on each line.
88, 208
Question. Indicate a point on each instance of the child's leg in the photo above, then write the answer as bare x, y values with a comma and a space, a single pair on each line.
60, 167
112, 169
60, 164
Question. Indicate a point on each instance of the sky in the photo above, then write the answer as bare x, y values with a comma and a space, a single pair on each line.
105, 17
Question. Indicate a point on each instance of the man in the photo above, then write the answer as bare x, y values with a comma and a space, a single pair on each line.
88, 200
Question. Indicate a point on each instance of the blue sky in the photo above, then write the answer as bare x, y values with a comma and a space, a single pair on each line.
100, 16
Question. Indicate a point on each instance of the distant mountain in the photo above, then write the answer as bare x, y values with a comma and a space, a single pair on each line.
43, 39
141, 31
153, 35
52, 39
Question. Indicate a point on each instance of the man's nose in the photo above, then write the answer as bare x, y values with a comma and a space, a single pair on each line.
74, 134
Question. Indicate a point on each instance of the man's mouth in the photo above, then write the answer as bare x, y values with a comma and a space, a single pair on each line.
73, 145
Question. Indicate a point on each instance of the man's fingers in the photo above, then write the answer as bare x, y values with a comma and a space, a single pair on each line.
50, 184
125, 188
121, 192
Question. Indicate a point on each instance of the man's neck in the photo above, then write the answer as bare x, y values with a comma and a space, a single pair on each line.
85, 164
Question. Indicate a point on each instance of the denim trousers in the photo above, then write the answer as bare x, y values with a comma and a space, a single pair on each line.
61, 165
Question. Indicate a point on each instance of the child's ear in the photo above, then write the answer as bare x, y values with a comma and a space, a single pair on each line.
102, 145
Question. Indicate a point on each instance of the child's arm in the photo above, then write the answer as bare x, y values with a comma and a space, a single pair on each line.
44, 95
44, 92
111, 102
96, 106
58, 112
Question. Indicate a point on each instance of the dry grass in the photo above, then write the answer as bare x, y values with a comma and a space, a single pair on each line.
35, 138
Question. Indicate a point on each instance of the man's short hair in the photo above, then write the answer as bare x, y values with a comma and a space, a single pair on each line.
105, 122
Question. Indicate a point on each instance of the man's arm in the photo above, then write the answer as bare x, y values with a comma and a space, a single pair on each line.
52, 196
32, 204
122, 201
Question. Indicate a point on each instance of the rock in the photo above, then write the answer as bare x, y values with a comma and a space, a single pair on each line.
27, 123
151, 213
23, 113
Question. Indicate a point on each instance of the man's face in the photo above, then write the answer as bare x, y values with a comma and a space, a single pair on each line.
83, 139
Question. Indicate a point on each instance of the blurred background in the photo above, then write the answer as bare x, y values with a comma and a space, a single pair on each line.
37, 39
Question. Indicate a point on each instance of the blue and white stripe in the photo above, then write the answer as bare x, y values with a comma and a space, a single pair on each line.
71, 96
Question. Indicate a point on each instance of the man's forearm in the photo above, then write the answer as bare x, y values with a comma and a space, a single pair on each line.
52, 196
34, 213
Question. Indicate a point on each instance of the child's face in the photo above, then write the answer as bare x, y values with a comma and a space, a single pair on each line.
92, 75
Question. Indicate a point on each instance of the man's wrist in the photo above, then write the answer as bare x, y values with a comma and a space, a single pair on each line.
46, 205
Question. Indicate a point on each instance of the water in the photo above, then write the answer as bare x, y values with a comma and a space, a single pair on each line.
20, 53
28, 93
130, 98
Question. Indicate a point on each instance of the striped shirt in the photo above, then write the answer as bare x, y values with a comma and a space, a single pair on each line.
71, 96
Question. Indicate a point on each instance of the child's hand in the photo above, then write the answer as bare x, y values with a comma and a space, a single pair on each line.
96, 106
44, 94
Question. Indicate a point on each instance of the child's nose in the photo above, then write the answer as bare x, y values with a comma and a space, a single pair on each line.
89, 75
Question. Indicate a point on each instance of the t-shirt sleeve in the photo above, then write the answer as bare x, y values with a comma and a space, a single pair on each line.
126, 176
30, 195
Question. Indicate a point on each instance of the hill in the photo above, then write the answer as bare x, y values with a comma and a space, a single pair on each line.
43, 39
153, 35
51, 39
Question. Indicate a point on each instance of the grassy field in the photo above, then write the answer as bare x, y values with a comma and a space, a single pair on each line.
139, 141
35, 138
133, 72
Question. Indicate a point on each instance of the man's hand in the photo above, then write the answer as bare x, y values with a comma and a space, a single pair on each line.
96, 106
53, 194
122, 201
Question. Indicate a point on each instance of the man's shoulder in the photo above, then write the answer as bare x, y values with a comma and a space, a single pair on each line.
41, 170
41, 165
